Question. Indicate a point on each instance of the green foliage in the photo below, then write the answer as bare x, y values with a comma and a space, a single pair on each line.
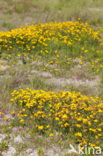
3, 146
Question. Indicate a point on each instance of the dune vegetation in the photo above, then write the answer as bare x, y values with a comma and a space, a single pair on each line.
51, 72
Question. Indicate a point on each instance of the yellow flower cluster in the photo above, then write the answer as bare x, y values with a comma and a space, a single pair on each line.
60, 42
42, 35
64, 112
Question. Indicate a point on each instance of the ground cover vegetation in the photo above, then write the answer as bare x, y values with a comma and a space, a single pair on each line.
57, 46
60, 43
26, 12
51, 72
65, 112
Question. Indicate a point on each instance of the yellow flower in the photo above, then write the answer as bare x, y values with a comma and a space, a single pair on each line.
78, 125
64, 116
40, 127
8, 66
51, 134
0, 67
96, 120
66, 124
85, 120
99, 134
47, 126
89, 123
5, 117
31, 116
13, 112
18, 115
93, 130
79, 119
19, 55
57, 118
22, 121
78, 134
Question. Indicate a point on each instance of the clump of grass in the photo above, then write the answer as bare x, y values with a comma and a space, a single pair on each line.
3, 146
54, 10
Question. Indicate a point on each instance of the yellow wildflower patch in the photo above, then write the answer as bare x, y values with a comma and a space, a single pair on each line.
64, 111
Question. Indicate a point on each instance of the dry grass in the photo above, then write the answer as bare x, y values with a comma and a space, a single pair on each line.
31, 76
21, 12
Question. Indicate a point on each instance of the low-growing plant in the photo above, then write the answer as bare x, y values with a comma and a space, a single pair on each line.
63, 112
3, 146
